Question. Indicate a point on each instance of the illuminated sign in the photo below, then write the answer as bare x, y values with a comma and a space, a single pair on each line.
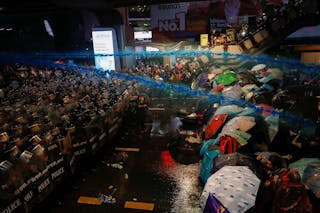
204, 40
178, 20
143, 35
104, 46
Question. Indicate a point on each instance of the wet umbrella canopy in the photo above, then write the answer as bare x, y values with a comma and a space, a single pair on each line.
226, 78
243, 123
235, 187
246, 77
237, 159
202, 80
258, 67
214, 125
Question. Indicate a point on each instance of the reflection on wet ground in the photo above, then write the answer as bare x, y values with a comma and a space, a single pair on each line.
148, 174
186, 193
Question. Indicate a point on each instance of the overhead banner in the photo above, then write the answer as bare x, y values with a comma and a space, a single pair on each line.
179, 20
190, 19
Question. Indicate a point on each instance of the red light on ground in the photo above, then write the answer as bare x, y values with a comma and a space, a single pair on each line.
166, 159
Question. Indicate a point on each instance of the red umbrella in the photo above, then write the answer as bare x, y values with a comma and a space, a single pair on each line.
214, 125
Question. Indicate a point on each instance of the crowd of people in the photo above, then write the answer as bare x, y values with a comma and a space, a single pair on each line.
282, 12
50, 120
273, 143
282, 87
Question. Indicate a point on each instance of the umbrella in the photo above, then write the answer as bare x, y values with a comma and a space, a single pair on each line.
229, 110
311, 178
249, 88
302, 164
266, 79
214, 70
235, 187
226, 78
246, 77
224, 68
211, 76
214, 125
237, 159
243, 123
202, 79
273, 125
214, 205
204, 59
207, 163
233, 92
258, 67
275, 72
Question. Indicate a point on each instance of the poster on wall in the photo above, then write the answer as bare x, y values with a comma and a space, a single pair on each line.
179, 20
176, 21
105, 45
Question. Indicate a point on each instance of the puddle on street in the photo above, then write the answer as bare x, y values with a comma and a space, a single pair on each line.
188, 188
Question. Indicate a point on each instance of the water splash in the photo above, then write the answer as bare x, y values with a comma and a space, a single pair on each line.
181, 89
270, 60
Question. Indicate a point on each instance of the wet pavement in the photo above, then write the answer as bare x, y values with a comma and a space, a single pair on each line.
154, 167
147, 174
